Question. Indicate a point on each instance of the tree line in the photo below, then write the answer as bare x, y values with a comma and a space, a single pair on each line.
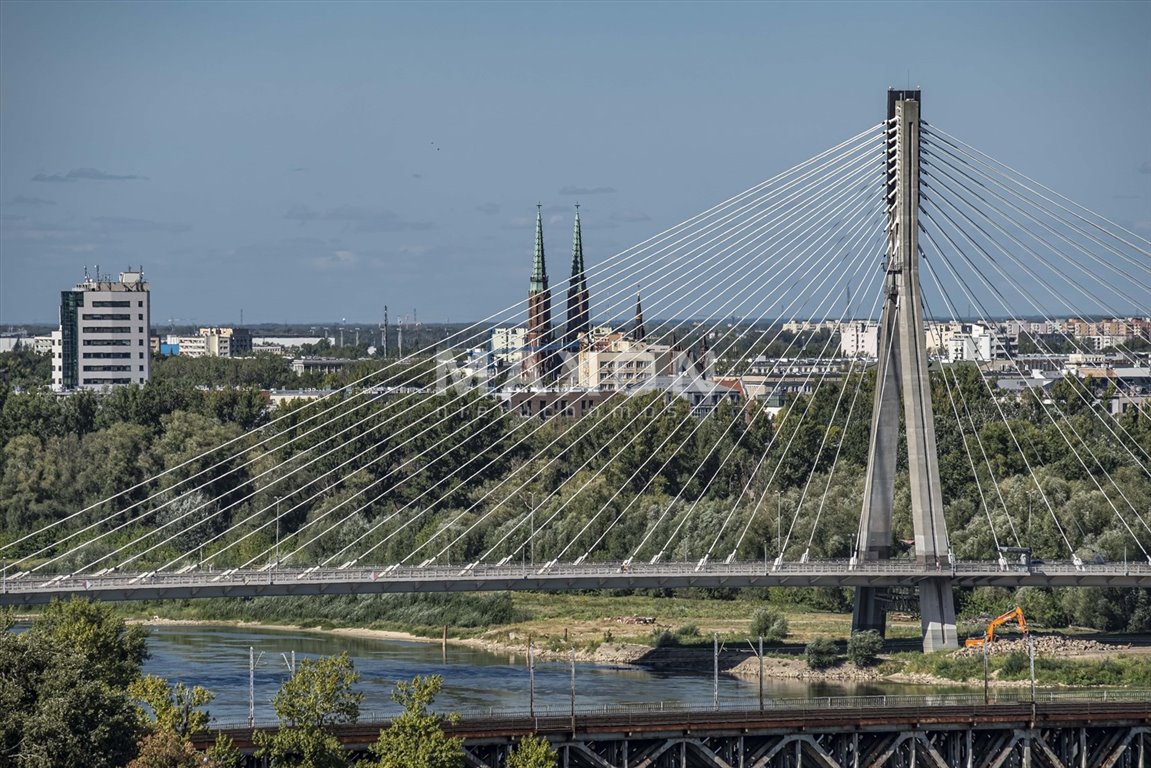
407, 476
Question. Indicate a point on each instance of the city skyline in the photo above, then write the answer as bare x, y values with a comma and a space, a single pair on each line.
306, 162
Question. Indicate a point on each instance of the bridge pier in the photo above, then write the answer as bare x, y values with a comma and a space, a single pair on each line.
869, 614
937, 615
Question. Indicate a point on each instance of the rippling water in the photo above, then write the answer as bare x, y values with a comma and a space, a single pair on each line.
217, 658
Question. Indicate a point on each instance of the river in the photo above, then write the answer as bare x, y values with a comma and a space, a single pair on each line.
216, 657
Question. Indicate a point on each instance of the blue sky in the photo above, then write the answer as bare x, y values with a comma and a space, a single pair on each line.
311, 161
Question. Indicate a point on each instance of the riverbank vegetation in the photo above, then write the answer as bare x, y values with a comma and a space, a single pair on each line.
1116, 670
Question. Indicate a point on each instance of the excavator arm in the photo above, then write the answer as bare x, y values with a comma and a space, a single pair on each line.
1015, 613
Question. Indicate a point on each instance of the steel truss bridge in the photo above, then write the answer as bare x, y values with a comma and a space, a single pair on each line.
955, 731
561, 577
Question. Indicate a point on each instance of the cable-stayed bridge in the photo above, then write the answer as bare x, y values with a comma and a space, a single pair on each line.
414, 479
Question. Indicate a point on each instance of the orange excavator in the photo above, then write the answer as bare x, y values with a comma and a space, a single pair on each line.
998, 621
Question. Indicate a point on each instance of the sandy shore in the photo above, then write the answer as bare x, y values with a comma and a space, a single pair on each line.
373, 634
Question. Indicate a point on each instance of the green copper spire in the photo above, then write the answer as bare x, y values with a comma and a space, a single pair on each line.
639, 333
577, 253
579, 313
539, 268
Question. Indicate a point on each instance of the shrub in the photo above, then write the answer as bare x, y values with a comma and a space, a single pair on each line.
1014, 664
687, 630
820, 653
769, 624
863, 648
662, 638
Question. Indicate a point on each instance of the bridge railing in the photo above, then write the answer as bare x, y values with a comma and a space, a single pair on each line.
562, 711
24, 581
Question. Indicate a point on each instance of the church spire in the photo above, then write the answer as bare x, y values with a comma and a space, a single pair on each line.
539, 268
639, 333
578, 310
541, 358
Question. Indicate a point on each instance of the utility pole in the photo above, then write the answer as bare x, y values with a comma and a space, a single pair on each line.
531, 676
761, 673
779, 520
715, 670
1031, 662
572, 654
251, 687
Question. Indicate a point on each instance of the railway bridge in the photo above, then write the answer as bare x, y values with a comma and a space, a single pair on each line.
1109, 730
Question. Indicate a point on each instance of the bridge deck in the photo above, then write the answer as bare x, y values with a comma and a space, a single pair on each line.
31, 589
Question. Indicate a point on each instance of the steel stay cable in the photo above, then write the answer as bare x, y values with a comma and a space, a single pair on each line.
991, 163
683, 518
392, 516
949, 160
1070, 444
864, 250
819, 453
349, 387
791, 437
699, 423
970, 296
191, 511
834, 460
1030, 470
639, 547
1018, 287
758, 503
667, 405
928, 176
1083, 464
1049, 319
955, 409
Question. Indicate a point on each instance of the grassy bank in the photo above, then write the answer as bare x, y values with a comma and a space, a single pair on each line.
1119, 670
581, 619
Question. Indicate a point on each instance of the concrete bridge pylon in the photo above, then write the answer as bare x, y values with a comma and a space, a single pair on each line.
902, 376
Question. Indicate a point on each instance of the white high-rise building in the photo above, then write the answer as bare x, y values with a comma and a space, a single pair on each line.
103, 336
859, 338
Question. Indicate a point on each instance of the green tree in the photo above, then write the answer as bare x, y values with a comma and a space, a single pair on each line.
308, 705
769, 624
174, 708
111, 650
63, 689
863, 648
533, 752
820, 653
165, 749
416, 738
